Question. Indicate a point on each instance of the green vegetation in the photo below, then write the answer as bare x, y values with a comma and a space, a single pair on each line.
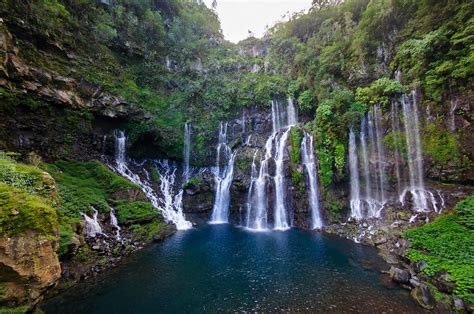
86, 184
25, 177
146, 232
136, 212
446, 245
21, 211
26, 199
83, 185
193, 181
339, 59
295, 138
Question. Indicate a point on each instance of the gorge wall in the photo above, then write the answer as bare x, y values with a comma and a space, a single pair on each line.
347, 117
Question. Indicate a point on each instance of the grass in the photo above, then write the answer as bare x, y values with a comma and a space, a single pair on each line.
447, 244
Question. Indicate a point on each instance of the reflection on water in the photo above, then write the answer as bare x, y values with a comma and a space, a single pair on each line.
225, 268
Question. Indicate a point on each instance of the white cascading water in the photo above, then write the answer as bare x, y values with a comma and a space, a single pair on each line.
275, 150
309, 162
170, 213
171, 202
92, 224
291, 113
187, 151
372, 162
414, 155
396, 132
355, 202
114, 223
223, 176
280, 213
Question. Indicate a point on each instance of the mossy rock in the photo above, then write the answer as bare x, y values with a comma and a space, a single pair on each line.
21, 211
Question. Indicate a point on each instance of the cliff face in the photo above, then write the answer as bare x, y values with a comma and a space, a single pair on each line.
54, 115
28, 266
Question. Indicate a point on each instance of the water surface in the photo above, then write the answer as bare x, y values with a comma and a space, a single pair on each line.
222, 268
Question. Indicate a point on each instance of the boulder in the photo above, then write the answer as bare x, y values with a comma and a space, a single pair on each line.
445, 283
28, 267
423, 296
399, 275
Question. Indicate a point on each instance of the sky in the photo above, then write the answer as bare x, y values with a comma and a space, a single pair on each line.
239, 16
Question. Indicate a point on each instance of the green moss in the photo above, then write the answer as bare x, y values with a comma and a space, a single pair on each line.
16, 310
25, 177
21, 211
67, 228
446, 245
441, 145
146, 232
155, 176
86, 184
192, 182
296, 135
136, 212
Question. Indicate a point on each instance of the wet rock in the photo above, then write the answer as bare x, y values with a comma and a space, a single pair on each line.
399, 275
414, 282
445, 283
458, 304
418, 267
423, 296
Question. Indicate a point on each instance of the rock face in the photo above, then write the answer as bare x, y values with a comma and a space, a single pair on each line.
59, 116
28, 267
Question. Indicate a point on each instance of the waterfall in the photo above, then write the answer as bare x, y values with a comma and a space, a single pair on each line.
414, 154
186, 151
257, 205
223, 176
372, 163
396, 138
171, 203
275, 151
170, 213
281, 219
380, 156
92, 224
283, 117
114, 223
309, 162
355, 203
291, 113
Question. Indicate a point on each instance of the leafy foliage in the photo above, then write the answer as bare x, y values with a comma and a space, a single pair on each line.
446, 245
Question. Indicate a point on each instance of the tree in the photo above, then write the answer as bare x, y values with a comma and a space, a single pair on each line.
321, 4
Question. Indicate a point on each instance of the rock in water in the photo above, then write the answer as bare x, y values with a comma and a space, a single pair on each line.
399, 275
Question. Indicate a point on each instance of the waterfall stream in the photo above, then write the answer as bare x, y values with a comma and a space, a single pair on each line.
223, 175
92, 224
186, 151
275, 154
372, 162
114, 223
280, 215
309, 162
172, 213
